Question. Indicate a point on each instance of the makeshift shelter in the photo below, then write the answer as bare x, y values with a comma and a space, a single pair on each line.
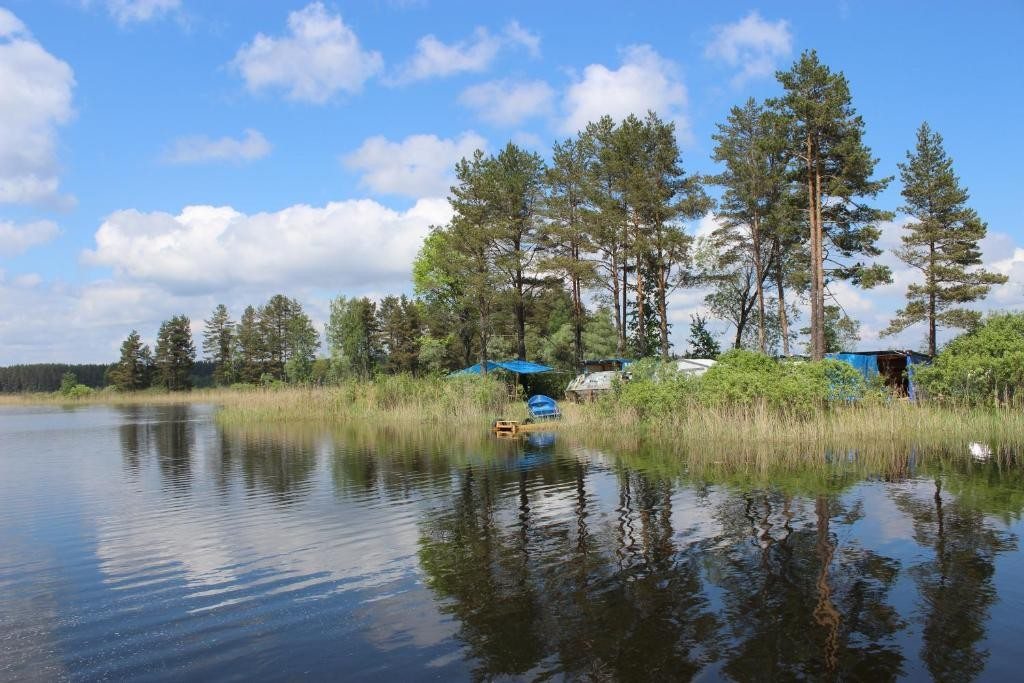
694, 367
605, 365
520, 367
895, 367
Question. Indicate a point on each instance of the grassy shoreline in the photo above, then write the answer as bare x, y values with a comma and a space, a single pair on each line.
473, 405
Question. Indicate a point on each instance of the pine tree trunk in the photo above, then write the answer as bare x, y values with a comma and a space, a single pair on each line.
820, 261
620, 322
625, 302
641, 311
783, 322
813, 238
759, 268
577, 309
931, 299
663, 310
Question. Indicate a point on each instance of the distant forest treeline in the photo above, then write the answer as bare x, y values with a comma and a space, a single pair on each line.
47, 376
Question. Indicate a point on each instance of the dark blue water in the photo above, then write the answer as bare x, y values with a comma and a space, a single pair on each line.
148, 544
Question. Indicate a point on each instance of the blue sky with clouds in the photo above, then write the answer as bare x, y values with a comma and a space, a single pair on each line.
160, 156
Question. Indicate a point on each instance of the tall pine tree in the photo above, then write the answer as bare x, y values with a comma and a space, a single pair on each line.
941, 242
219, 344
826, 136
175, 354
134, 370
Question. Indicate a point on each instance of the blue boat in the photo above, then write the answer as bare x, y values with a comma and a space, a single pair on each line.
543, 407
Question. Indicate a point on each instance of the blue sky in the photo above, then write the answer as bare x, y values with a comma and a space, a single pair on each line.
160, 156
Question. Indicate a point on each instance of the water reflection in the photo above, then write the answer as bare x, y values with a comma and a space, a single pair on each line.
464, 556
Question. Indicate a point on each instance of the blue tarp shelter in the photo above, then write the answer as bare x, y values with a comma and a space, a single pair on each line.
521, 367
897, 367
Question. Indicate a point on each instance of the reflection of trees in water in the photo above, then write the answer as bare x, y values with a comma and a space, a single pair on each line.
280, 466
797, 604
134, 436
580, 594
165, 431
955, 585
173, 436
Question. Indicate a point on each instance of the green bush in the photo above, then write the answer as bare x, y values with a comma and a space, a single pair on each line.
78, 391
656, 389
746, 379
982, 367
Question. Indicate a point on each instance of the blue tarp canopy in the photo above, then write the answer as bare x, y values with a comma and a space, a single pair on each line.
522, 367
866, 363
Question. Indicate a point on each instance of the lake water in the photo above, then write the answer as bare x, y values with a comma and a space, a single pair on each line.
146, 543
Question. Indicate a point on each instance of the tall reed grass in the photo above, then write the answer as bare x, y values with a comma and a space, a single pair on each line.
691, 426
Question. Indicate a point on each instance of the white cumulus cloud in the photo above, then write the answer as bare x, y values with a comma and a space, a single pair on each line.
752, 44
645, 81
508, 103
418, 166
206, 249
15, 239
318, 58
35, 98
435, 58
197, 149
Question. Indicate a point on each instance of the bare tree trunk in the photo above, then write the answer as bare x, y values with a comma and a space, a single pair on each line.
931, 299
783, 321
759, 268
641, 309
663, 309
819, 352
620, 321
625, 301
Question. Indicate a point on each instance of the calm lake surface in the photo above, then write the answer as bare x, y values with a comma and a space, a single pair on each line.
148, 543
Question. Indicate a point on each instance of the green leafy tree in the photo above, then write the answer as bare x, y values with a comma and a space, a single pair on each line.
134, 370
219, 344
353, 336
941, 243
702, 344
303, 342
175, 354
834, 170
984, 366
448, 315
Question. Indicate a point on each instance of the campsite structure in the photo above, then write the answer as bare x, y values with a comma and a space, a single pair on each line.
896, 368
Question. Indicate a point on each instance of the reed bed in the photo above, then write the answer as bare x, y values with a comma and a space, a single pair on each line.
743, 434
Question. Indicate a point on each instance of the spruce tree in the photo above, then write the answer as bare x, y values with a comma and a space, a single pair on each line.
941, 242
219, 344
249, 359
133, 371
835, 168
175, 354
